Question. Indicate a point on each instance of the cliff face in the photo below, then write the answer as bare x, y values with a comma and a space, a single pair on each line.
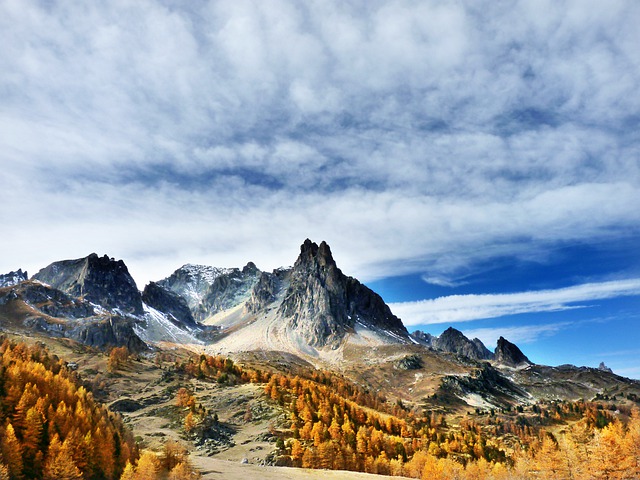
322, 304
169, 303
100, 280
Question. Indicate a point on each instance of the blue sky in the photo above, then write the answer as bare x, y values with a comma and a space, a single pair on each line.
477, 163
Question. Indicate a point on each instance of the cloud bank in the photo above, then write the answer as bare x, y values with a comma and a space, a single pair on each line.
465, 308
412, 136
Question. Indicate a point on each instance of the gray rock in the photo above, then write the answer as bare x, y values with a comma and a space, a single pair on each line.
410, 362
454, 341
509, 354
101, 280
322, 304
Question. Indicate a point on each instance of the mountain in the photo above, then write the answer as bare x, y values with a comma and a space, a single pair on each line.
34, 307
310, 313
454, 341
192, 282
510, 355
209, 290
323, 305
99, 280
12, 278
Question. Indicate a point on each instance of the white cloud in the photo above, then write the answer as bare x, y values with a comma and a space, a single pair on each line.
463, 308
413, 136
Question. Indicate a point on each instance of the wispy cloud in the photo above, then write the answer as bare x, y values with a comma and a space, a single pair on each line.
463, 308
520, 334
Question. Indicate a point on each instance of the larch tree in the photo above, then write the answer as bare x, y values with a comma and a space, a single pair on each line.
60, 464
148, 467
129, 472
12, 452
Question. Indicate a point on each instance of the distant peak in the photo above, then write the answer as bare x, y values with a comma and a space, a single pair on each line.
453, 331
603, 368
250, 268
509, 354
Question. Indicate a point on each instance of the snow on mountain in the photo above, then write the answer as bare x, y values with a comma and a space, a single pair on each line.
155, 326
12, 278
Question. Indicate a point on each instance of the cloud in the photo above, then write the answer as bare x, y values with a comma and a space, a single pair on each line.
464, 308
413, 136
521, 334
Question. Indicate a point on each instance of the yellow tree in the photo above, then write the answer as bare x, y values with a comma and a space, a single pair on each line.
12, 452
148, 467
182, 471
608, 456
31, 443
129, 472
189, 422
297, 451
4, 472
550, 461
326, 454
309, 459
631, 445
478, 470
59, 464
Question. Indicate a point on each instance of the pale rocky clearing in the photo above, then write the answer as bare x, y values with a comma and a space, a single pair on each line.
213, 468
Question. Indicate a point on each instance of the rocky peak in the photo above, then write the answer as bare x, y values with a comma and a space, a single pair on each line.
13, 278
509, 354
100, 280
603, 368
192, 282
322, 304
454, 341
423, 338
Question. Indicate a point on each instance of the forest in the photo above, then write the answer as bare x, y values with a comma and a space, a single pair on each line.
51, 427
335, 424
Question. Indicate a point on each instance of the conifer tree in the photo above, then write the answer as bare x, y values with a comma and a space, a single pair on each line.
12, 453
148, 467
60, 464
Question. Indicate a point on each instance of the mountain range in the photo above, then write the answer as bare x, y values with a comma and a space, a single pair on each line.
311, 311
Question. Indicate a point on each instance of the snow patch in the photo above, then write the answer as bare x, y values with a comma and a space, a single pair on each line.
158, 328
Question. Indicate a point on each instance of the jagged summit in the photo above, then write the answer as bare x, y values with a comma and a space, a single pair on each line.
100, 280
603, 368
13, 278
510, 355
322, 304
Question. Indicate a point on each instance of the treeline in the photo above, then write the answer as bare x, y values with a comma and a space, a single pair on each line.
50, 427
337, 425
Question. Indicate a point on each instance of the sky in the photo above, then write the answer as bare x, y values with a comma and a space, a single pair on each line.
475, 163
